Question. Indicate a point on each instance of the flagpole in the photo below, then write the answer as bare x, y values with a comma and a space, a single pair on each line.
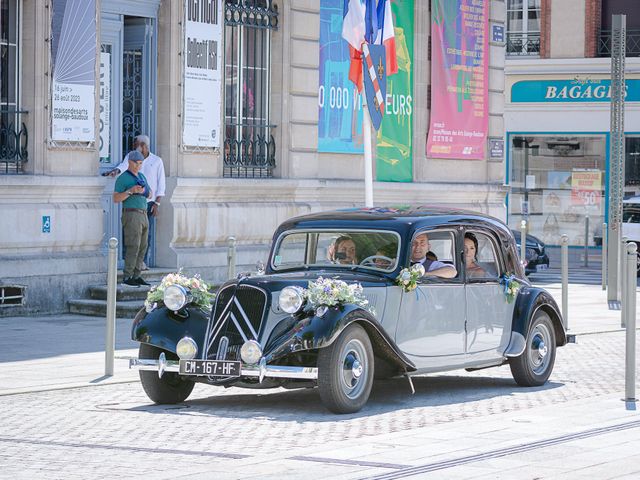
368, 162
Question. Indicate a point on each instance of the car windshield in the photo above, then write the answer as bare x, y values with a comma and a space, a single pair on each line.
377, 250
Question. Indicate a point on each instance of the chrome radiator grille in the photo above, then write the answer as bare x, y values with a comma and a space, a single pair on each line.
236, 318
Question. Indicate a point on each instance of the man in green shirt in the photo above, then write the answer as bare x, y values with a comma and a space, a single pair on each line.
132, 190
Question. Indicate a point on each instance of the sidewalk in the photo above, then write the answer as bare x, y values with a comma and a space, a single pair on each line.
65, 351
60, 351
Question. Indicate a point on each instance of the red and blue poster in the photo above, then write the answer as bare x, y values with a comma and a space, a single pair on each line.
459, 79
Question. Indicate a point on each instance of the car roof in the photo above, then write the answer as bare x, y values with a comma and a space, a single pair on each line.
397, 218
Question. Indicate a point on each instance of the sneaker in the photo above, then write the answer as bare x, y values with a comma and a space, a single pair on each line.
144, 267
141, 281
131, 281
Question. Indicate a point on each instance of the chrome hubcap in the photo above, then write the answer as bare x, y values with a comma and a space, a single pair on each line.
538, 349
354, 367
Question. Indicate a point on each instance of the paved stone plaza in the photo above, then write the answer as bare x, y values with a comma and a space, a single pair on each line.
62, 419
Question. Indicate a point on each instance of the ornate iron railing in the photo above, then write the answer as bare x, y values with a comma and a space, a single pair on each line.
249, 146
523, 43
13, 141
249, 151
251, 13
633, 43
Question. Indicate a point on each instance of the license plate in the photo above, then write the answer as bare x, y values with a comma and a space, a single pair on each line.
543, 266
210, 368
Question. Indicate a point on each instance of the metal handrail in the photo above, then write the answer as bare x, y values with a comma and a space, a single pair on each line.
14, 138
633, 43
520, 43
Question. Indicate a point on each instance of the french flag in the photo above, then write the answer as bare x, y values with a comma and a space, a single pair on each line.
364, 21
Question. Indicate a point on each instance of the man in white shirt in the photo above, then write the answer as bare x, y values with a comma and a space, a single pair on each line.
433, 268
153, 170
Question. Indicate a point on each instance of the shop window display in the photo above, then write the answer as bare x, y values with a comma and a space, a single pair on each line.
556, 182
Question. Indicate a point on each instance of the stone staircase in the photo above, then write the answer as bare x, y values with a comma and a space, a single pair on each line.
128, 299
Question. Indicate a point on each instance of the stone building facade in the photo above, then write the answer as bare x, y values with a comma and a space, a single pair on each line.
557, 112
56, 213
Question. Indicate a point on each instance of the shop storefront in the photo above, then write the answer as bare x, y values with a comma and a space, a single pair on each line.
558, 154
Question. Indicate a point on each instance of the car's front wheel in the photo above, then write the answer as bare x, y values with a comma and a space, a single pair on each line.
345, 371
533, 367
168, 389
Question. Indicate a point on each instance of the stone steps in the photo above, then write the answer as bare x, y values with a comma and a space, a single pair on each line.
128, 299
98, 308
123, 292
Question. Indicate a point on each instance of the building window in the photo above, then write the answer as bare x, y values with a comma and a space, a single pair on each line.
632, 163
523, 27
556, 181
13, 132
616, 7
249, 145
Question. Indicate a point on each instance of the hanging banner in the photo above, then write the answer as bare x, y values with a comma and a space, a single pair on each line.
73, 55
202, 73
339, 104
105, 107
459, 79
394, 151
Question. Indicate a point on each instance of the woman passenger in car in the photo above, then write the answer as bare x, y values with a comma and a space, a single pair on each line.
343, 251
471, 256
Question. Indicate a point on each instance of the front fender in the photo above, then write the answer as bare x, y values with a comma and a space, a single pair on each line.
529, 300
164, 328
312, 332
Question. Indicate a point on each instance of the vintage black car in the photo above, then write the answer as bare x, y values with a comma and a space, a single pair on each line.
267, 330
535, 253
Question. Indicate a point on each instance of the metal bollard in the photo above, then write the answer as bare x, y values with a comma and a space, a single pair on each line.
630, 350
604, 256
623, 280
231, 257
523, 242
110, 336
564, 256
586, 241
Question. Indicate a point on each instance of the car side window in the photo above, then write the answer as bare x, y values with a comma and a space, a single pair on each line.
480, 257
436, 250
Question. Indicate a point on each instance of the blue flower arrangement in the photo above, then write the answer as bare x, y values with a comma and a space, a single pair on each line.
511, 286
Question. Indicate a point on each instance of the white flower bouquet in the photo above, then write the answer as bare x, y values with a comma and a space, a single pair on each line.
199, 289
408, 277
326, 292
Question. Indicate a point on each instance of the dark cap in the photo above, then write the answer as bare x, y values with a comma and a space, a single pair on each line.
135, 156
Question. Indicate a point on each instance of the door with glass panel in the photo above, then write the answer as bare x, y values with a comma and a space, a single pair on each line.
127, 87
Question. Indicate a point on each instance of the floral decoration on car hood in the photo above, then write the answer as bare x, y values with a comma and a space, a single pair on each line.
199, 289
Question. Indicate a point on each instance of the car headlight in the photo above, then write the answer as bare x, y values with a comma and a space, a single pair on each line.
291, 299
250, 352
187, 348
175, 297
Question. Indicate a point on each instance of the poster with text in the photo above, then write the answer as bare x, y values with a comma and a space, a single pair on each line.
586, 187
394, 151
73, 55
459, 79
202, 73
339, 103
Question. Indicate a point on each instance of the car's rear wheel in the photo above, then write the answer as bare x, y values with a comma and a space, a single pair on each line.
533, 367
168, 389
345, 371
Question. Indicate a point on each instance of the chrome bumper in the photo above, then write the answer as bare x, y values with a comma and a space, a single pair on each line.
261, 370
